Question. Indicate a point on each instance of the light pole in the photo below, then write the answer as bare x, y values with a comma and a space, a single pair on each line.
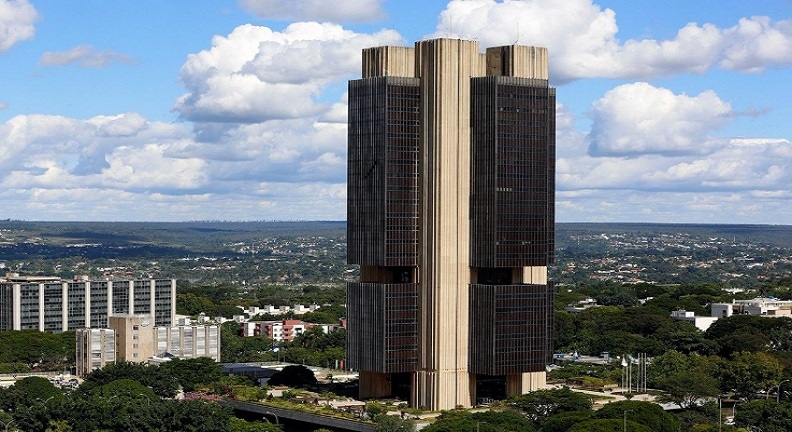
272, 414
625, 419
6, 424
778, 391
44, 402
148, 399
720, 412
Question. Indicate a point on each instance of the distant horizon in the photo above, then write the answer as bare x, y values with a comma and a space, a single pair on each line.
344, 221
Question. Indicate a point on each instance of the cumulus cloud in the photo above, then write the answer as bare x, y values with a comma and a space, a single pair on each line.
652, 155
582, 39
635, 119
256, 74
316, 10
17, 19
83, 56
38, 148
111, 164
3, 105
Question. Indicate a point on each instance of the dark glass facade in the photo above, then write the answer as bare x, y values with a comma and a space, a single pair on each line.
388, 342
382, 198
513, 172
511, 328
422, 151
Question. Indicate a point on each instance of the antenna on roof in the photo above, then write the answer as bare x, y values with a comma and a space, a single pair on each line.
517, 40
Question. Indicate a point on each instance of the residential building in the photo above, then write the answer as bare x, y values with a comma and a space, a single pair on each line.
285, 330
450, 215
95, 349
52, 304
134, 338
188, 341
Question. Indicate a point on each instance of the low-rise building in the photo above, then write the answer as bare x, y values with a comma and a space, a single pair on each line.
134, 338
95, 349
770, 306
285, 330
701, 323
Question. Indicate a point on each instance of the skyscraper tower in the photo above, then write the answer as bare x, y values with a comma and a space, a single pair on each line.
450, 216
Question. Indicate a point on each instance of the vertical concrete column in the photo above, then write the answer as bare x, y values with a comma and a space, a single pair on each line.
87, 304
41, 307
517, 384
445, 67
65, 305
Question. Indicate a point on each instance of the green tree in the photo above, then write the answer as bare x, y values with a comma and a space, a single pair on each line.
29, 391
59, 426
392, 423
163, 384
294, 376
561, 422
192, 373
540, 404
688, 388
37, 350
374, 408
647, 414
239, 425
752, 333
608, 425
748, 373
489, 421
765, 414
665, 365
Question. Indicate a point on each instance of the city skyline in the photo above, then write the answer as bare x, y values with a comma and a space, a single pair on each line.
140, 111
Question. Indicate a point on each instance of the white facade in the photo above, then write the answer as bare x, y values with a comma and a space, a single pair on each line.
759, 306
701, 323
52, 304
132, 338
188, 342
95, 348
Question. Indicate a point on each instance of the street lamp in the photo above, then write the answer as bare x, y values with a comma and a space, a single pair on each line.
778, 391
44, 402
6, 424
625, 419
272, 414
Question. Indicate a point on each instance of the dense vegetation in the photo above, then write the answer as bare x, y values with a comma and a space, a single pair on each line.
126, 396
31, 350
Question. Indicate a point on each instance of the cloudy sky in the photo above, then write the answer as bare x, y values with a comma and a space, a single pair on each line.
142, 110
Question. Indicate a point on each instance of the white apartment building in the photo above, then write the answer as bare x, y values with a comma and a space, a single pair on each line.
52, 304
95, 349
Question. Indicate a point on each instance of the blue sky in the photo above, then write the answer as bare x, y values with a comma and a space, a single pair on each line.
675, 111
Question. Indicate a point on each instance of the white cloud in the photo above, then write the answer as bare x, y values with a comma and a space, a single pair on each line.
120, 126
17, 18
83, 56
3, 105
316, 10
639, 118
106, 166
757, 42
582, 39
256, 74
